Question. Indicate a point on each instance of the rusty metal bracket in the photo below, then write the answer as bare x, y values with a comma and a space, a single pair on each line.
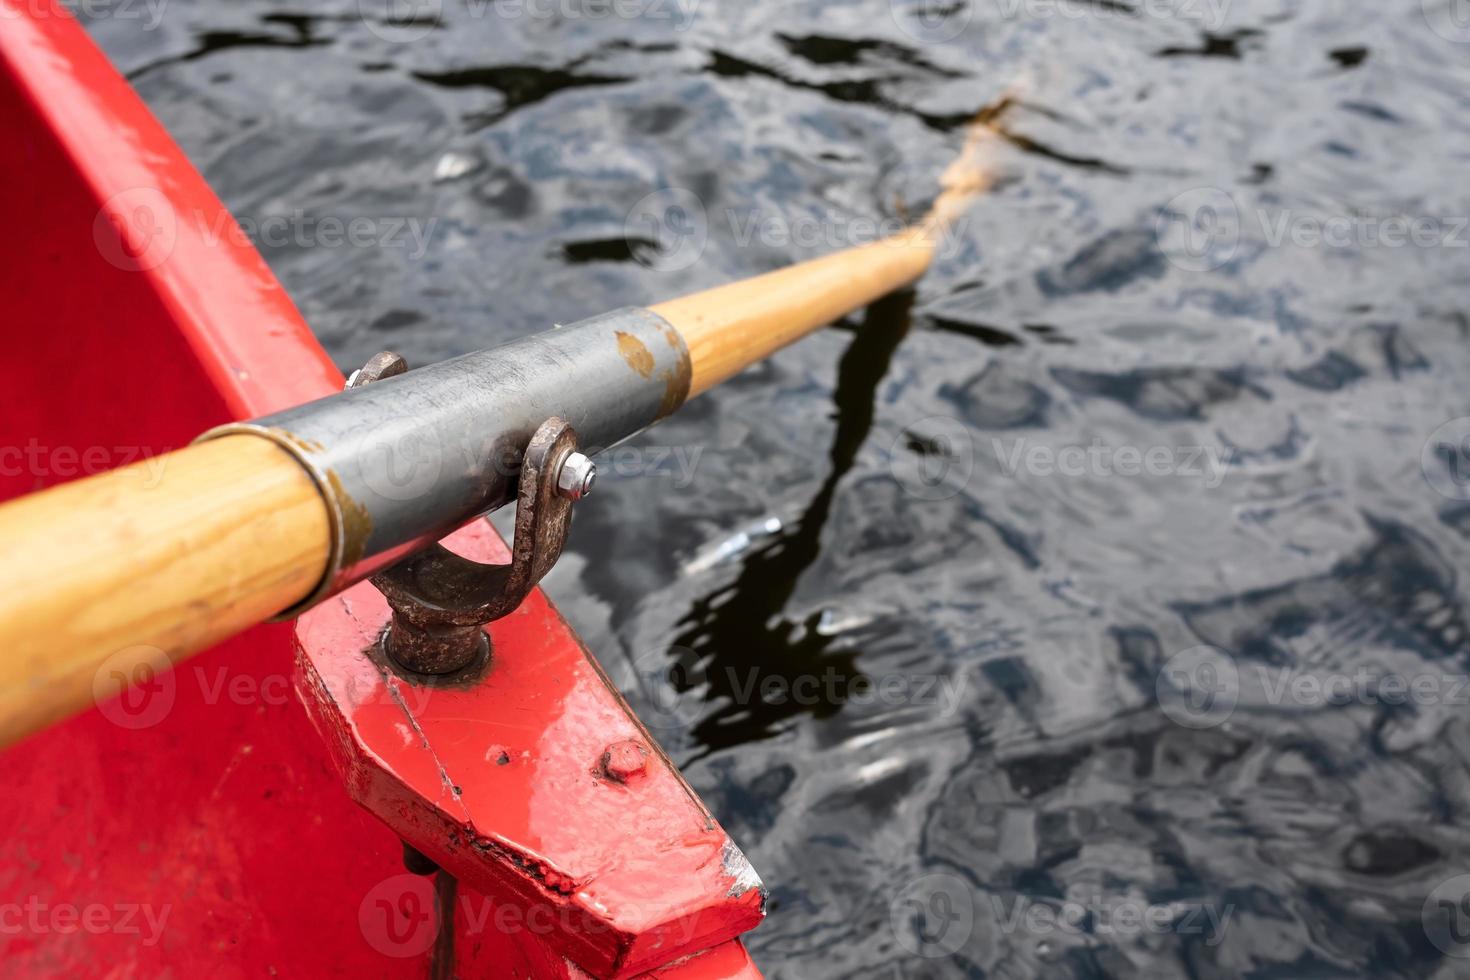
441, 600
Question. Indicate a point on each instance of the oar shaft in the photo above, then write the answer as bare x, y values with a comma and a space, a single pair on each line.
274, 515
171, 556
730, 327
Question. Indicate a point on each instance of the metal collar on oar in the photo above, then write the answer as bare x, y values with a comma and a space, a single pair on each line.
403, 458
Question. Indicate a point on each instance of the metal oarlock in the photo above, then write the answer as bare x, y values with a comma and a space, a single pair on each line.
406, 460
440, 600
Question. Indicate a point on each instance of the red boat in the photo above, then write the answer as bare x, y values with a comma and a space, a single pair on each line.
282, 805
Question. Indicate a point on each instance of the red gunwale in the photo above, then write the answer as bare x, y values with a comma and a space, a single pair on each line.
205, 799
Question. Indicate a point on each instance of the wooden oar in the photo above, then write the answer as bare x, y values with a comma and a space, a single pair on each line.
241, 528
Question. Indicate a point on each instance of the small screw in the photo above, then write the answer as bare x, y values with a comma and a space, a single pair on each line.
624, 761
577, 475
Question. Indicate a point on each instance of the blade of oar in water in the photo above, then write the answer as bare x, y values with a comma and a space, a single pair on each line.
274, 515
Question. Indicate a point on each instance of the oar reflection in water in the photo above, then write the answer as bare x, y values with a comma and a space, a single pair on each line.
741, 637
741, 632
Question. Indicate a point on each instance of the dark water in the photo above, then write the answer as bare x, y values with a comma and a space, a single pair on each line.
1047, 620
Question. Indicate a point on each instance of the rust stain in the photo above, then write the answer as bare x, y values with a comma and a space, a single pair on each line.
676, 388
305, 445
635, 353
357, 523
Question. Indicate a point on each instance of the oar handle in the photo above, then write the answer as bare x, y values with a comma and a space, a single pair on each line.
151, 561
156, 561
